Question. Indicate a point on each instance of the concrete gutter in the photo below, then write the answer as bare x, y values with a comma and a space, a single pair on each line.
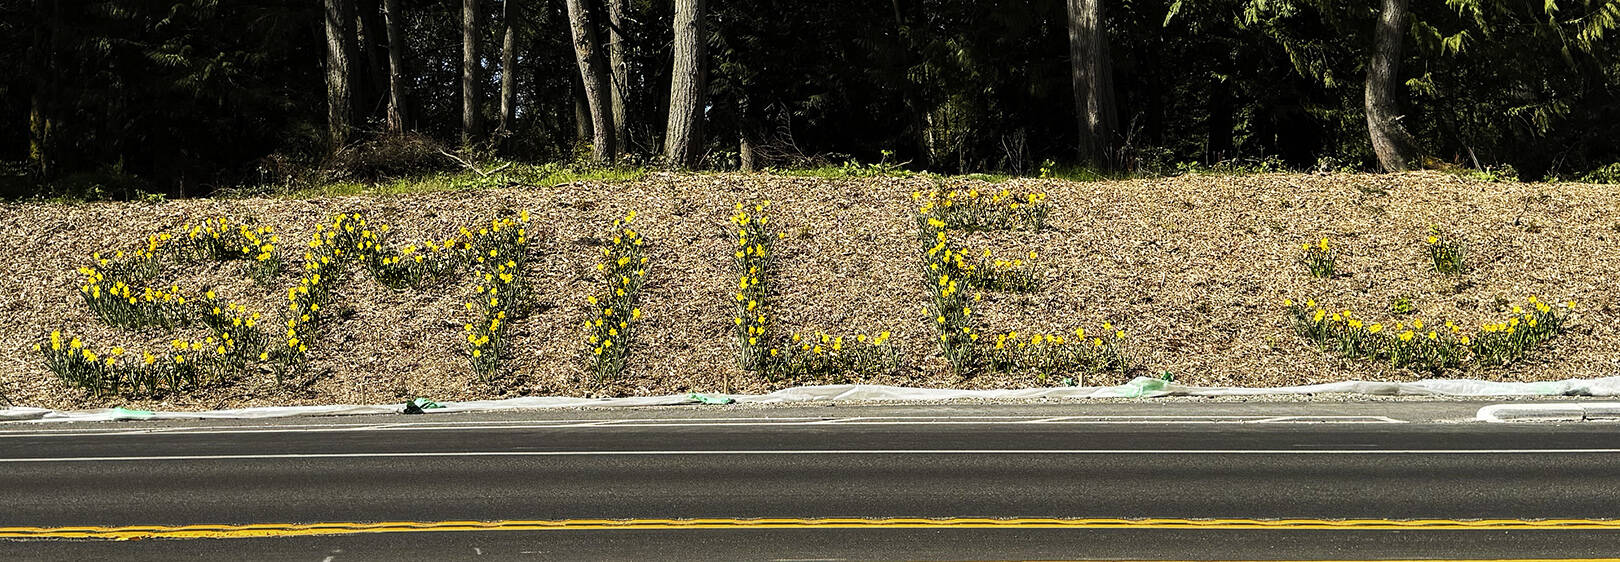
1565, 412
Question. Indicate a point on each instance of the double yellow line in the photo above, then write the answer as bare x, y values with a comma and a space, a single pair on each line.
262, 530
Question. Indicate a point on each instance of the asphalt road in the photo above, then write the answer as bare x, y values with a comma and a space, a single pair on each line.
1386, 464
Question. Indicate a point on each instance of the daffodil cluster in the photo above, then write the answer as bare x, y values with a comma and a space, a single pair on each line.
832, 358
1506, 341
220, 240
236, 327
952, 275
972, 210
754, 257
616, 310
117, 303
947, 274
1048, 354
496, 253
187, 365
114, 288
1446, 253
1317, 258
1424, 347
136, 267
116, 291
761, 351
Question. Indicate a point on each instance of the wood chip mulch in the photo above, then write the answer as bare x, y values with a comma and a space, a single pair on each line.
1194, 269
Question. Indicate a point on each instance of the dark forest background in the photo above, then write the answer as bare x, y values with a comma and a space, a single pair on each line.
184, 97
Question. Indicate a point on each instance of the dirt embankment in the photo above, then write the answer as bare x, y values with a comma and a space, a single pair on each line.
1193, 268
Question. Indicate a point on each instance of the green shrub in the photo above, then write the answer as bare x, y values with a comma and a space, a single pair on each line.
1607, 174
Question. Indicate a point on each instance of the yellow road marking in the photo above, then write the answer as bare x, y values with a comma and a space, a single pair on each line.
345, 528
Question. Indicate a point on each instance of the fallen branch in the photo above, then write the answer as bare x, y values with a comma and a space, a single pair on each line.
475, 169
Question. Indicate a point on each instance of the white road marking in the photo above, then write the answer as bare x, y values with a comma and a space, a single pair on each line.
707, 422
798, 452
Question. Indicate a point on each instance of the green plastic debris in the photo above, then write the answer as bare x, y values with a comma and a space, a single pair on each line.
415, 406
1140, 386
126, 413
706, 399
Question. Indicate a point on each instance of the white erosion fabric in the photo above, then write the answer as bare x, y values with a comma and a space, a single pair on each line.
1139, 388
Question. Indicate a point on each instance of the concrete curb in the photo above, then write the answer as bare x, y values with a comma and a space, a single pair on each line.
1140, 387
1504, 413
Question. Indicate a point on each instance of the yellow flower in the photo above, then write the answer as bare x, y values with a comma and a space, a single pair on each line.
1324, 244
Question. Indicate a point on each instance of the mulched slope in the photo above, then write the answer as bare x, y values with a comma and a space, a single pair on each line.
1193, 268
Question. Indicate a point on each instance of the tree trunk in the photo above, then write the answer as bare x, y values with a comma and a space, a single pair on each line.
620, 69
396, 68
748, 136
39, 129
508, 66
375, 50
594, 76
1093, 82
41, 70
1218, 147
339, 74
917, 107
470, 75
1390, 140
582, 114
683, 138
